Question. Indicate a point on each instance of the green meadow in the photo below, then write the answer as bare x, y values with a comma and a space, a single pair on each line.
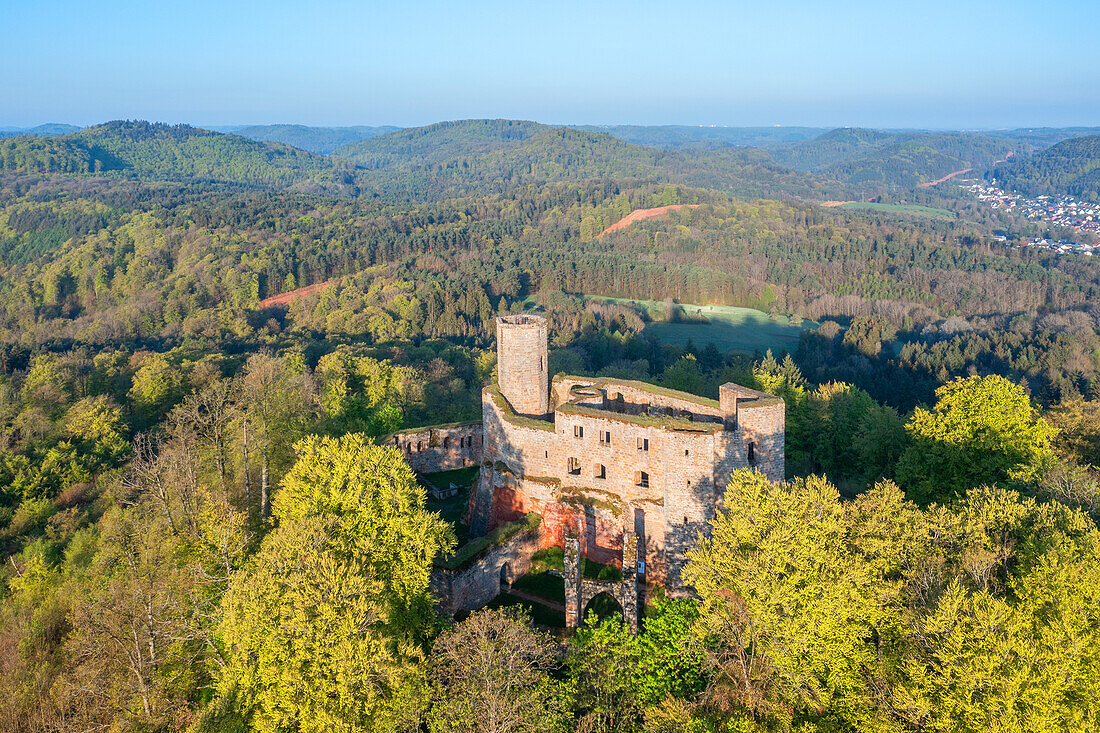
729, 328
901, 209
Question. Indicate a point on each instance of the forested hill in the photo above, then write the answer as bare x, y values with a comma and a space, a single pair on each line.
47, 130
156, 151
31, 154
831, 147
181, 151
861, 157
1071, 167
455, 158
320, 140
702, 137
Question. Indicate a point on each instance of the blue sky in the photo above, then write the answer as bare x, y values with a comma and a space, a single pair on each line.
889, 64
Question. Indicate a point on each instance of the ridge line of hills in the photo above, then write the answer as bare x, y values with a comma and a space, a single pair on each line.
454, 158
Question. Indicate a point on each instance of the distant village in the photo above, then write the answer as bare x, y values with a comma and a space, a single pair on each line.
1063, 211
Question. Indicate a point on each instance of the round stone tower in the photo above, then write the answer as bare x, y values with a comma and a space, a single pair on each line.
521, 363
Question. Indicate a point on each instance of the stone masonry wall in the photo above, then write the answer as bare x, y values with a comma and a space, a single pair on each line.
674, 507
440, 448
521, 363
476, 585
614, 457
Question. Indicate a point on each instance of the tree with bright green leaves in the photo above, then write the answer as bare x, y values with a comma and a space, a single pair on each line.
622, 680
492, 674
782, 378
1001, 619
323, 629
982, 430
604, 657
791, 604
97, 424
156, 385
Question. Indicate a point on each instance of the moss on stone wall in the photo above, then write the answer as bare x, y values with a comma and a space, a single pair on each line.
602, 382
510, 415
473, 549
665, 422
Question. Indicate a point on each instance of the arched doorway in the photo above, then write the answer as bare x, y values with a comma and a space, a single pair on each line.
604, 605
506, 574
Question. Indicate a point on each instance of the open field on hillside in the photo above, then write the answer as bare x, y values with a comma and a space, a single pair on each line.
729, 328
900, 209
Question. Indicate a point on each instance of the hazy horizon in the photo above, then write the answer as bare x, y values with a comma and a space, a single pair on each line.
231, 126
978, 65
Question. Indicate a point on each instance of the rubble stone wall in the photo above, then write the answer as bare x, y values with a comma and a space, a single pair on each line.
476, 585
440, 447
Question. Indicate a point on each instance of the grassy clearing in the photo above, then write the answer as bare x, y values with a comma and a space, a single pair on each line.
540, 614
466, 554
550, 586
902, 209
453, 509
729, 328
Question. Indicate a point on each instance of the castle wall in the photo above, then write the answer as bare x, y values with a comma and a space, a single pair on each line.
475, 586
615, 457
763, 426
522, 370
671, 510
440, 448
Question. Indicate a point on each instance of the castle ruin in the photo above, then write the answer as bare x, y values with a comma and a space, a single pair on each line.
621, 472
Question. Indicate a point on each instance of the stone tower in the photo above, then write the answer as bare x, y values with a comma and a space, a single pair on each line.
521, 363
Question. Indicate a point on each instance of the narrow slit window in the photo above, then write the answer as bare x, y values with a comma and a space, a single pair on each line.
752, 453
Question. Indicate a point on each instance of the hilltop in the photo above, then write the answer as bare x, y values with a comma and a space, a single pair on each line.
859, 157
170, 151
450, 158
157, 151
1072, 167
321, 140
49, 129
